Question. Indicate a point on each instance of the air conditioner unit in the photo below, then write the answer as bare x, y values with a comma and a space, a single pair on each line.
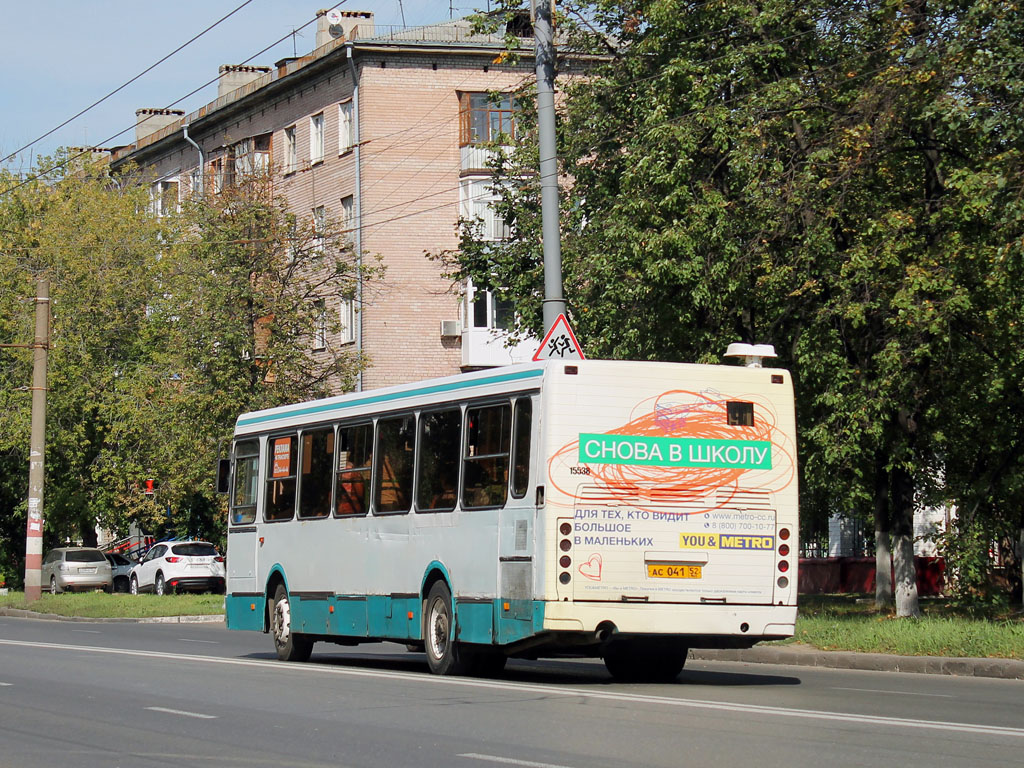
450, 328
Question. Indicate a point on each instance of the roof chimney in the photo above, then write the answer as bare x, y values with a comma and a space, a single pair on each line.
338, 24
235, 76
149, 121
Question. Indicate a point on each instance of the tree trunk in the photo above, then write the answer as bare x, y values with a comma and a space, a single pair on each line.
883, 555
907, 604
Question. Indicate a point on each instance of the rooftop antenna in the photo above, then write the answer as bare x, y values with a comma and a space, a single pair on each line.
401, 10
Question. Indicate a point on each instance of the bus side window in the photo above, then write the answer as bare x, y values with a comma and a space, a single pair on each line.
281, 459
394, 466
247, 477
485, 460
317, 465
355, 455
521, 447
438, 475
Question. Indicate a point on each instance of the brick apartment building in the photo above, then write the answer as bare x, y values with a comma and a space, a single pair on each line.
381, 129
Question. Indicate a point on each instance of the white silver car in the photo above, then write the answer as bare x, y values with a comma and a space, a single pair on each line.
194, 566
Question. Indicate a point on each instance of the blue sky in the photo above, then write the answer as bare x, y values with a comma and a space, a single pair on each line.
60, 56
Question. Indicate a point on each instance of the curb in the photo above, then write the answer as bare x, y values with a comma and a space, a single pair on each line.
21, 613
804, 656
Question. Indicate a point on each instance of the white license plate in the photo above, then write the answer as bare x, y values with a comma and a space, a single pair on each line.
87, 570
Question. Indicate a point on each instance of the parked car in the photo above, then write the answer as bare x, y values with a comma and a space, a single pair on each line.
71, 568
120, 571
194, 566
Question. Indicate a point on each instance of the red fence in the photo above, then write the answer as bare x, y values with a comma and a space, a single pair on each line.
831, 575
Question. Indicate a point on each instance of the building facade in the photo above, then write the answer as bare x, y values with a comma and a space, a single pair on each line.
384, 130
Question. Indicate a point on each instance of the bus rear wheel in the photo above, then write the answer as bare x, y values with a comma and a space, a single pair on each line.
635, 661
290, 645
443, 655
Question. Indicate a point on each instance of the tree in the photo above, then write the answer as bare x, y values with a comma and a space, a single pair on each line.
810, 174
165, 328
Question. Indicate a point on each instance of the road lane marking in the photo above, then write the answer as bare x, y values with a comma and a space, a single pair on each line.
6, 685
533, 688
511, 761
208, 642
198, 715
895, 693
88, 631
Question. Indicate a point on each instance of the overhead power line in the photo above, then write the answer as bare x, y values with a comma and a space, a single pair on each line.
125, 85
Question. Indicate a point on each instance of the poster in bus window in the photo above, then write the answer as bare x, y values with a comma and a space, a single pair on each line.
282, 466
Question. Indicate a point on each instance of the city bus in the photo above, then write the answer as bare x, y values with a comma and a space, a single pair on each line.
622, 510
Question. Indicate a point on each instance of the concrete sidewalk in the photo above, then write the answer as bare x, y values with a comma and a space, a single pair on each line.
807, 656
794, 655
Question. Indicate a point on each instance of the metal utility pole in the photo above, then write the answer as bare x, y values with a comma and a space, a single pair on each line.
543, 30
37, 448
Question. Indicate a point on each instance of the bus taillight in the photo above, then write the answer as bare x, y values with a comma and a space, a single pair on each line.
783, 565
784, 550
784, 533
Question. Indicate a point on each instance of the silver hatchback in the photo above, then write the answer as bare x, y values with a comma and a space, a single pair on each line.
71, 568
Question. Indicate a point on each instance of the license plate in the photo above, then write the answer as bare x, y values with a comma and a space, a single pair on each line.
87, 570
673, 571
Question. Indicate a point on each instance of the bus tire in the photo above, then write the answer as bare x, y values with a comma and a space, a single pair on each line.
443, 656
637, 662
290, 646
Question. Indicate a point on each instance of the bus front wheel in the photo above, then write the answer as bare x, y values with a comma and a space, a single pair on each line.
290, 645
443, 656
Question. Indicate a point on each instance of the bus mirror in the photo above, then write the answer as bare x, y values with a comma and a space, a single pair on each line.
223, 475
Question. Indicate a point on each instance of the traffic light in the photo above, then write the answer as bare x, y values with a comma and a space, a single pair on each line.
149, 487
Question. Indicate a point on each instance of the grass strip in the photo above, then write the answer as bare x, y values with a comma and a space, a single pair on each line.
99, 605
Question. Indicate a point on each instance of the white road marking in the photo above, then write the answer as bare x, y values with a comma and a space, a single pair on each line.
533, 688
208, 642
198, 715
896, 693
511, 761
6, 685
88, 631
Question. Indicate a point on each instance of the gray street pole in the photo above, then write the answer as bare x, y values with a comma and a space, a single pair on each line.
543, 28
37, 448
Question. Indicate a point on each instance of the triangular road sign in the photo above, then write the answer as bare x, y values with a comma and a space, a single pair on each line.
559, 343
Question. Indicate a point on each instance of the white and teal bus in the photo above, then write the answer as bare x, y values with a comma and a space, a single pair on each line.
627, 510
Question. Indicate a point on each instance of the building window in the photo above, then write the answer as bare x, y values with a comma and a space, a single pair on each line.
164, 196
316, 138
478, 203
194, 180
320, 326
486, 117
252, 156
485, 310
348, 217
345, 127
291, 158
347, 326
320, 228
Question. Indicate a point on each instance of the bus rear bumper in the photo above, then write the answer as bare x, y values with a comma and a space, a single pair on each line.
706, 625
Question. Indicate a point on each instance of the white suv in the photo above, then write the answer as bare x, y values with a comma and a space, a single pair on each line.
179, 565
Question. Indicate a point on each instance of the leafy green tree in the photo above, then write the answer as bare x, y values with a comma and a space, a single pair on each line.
843, 180
164, 330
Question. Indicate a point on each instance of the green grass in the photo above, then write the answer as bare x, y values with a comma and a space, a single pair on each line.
99, 605
846, 623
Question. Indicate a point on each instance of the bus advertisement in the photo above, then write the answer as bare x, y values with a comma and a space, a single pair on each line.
623, 510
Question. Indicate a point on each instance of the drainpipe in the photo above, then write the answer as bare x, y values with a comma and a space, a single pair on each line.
202, 162
358, 212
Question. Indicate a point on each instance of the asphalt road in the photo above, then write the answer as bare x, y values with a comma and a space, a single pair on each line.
83, 695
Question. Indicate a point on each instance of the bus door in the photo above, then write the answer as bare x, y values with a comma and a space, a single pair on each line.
242, 535
516, 531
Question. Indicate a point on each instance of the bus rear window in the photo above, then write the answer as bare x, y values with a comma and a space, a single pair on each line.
739, 414
486, 457
395, 440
